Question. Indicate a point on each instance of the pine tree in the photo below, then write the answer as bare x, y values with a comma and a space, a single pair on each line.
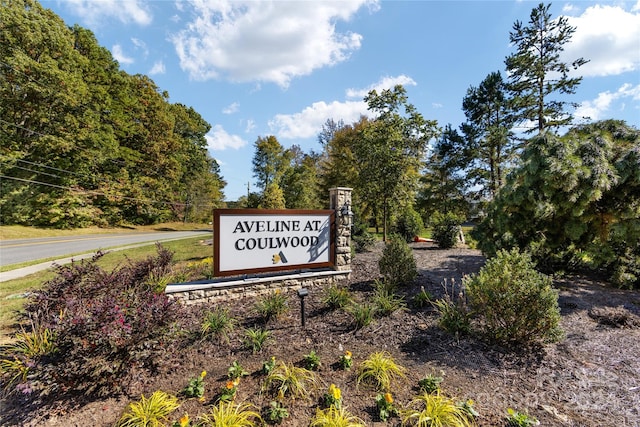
536, 71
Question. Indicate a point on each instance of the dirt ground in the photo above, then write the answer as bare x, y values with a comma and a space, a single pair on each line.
590, 378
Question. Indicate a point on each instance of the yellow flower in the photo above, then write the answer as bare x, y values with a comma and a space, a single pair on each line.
236, 381
335, 392
231, 385
184, 420
388, 398
203, 374
347, 354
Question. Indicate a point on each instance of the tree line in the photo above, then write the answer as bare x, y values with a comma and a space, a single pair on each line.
83, 142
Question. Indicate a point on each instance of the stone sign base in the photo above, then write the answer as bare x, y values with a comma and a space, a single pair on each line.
213, 291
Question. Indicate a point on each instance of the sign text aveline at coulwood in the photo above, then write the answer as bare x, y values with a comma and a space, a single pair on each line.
259, 240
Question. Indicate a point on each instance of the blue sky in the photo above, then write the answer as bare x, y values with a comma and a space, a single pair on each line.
258, 68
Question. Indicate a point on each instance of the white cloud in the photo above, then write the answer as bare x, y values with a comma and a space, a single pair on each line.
140, 45
599, 108
158, 68
218, 139
309, 121
96, 12
119, 55
384, 83
233, 108
607, 36
269, 41
251, 125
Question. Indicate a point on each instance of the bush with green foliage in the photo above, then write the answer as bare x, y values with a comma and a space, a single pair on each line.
445, 229
409, 224
107, 326
397, 264
574, 203
515, 303
362, 240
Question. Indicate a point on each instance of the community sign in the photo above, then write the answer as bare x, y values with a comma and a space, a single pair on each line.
260, 240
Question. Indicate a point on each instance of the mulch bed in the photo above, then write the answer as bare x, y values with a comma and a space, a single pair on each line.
590, 378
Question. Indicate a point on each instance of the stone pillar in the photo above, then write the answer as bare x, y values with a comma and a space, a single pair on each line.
339, 198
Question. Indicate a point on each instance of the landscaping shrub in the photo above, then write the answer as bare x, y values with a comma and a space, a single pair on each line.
397, 264
106, 325
409, 224
445, 229
515, 303
574, 203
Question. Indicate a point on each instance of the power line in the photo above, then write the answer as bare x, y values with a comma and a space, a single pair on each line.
93, 193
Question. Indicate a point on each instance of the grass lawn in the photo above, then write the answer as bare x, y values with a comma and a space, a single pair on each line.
12, 293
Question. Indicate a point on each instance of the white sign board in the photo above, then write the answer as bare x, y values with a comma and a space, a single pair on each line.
258, 240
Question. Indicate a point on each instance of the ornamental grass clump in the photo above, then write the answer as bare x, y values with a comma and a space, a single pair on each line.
218, 324
229, 414
379, 370
516, 305
151, 412
287, 380
272, 306
335, 417
336, 297
436, 410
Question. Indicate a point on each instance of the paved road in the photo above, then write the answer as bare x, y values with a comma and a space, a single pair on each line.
26, 250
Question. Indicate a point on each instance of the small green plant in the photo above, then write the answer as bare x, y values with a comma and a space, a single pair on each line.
218, 324
385, 300
289, 380
236, 371
229, 414
422, 298
467, 407
333, 397
272, 306
335, 417
430, 384
454, 315
520, 419
435, 410
37, 342
386, 408
13, 371
184, 421
362, 314
149, 412
256, 338
379, 370
276, 413
312, 361
336, 297
516, 304
397, 264
195, 387
346, 360
268, 365
229, 390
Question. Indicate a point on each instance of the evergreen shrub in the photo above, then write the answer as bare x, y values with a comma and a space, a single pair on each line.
515, 303
446, 229
397, 264
409, 224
